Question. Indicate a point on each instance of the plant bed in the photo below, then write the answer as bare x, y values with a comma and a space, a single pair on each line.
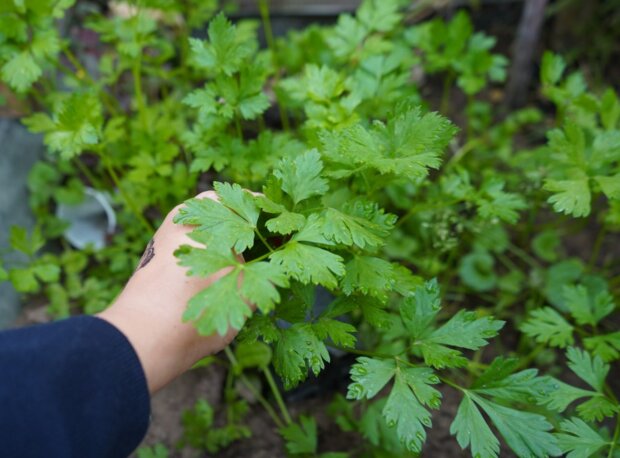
467, 251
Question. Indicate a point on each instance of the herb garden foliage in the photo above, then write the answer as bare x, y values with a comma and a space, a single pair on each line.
431, 240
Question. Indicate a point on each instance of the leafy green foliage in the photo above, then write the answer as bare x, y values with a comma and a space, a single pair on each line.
157, 451
302, 438
367, 189
200, 433
578, 439
438, 345
526, 433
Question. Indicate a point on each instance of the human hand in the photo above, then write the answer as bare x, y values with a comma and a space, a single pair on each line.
150, 308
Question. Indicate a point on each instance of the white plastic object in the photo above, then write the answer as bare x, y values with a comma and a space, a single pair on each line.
90, 221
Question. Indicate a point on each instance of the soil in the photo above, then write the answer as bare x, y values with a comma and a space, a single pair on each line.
168, 405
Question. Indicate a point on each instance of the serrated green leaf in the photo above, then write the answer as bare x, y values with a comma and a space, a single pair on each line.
47, 272
465, 330
379, 15
419, 311
349, 230
493, 202
571, 197
597, 408
301, 438
559, 399
552, 67
549, 327
203, 262
368, 275
471, 429
21, 71
301, 177
408, 145
203, 100
309, 264
259, 283
462, 331
286, 223
225, 51
606, 346
404, 411
20, 240
76, 125
526, 433
23, 280
229, 223
609, 185
369, 376
225, 302
297, 350
218, 307
578, 440
591, 370
585, 308
339, 332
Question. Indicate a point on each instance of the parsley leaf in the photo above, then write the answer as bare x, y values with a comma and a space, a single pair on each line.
591, 370
549, 327
297, 349
606, 346
369, 376
571, 196
21, 71
368, 275
75, 126
227, 49
308, 263
408, 145
587, 308
525, 432
463, 330
301, 177
301, 438
577, 439
230, 223
470, 428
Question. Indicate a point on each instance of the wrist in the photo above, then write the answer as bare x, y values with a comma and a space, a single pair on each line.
162, 350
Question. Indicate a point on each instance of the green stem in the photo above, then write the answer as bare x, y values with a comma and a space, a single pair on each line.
525, 257
445, 95
277, 396
128, 202
252, 389
462, 152
598, 244
614, 441
95, 182
264, 240
454, 385
238, 127
355, 351
263, 6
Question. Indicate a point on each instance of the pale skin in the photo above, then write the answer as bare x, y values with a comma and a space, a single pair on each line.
149, 310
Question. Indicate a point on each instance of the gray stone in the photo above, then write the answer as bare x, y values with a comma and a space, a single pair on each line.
19, 150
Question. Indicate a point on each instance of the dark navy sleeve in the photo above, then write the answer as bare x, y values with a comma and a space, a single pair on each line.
73, 388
